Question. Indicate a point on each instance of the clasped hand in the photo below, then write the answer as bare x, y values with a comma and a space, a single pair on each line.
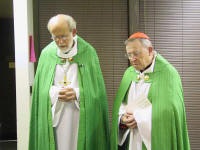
67, 94
129, 120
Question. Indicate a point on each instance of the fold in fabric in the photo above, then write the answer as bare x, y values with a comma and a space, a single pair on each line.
142, 110
143, 119
57, 106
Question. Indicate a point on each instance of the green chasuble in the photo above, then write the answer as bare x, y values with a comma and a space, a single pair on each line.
169, 128
93, 132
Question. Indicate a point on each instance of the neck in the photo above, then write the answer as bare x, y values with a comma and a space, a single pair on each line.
66, 52
148, 65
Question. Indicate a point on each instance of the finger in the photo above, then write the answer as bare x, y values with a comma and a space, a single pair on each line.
123, 119
62, 92
62, 97
68, 89
126, 115
131, 125
126, 120
129, 120
67, 97
130, 117
66, 92
129, 113
72, 97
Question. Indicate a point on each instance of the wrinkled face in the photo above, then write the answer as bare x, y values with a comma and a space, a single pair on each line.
139, 56
63, 37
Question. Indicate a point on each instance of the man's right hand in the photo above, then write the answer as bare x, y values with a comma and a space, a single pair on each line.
129, 120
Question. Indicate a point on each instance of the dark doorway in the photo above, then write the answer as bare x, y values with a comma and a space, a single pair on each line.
7, 80
8, 133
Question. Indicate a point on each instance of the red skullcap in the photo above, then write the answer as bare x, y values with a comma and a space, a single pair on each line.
138, 35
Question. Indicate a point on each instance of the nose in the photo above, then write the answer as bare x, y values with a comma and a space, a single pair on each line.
132, 58
60, 41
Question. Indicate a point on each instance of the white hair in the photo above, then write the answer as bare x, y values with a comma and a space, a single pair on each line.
71, 22
144, 42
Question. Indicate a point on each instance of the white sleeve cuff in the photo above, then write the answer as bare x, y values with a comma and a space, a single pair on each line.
53, 93
122, 134
57, 106
143, 119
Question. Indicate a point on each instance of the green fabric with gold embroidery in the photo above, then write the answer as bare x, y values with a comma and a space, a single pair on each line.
93, 124
169, 128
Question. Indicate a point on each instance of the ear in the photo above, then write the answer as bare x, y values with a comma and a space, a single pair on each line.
74, 32
150, 50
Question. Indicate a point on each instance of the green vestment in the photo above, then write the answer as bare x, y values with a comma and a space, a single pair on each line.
169, 128
93, 132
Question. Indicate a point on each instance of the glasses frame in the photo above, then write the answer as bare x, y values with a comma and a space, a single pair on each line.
133, 54
58, 38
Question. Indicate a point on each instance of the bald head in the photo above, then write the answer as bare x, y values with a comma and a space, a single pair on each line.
61, 22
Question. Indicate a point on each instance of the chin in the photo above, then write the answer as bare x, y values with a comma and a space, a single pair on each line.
63, 48
136, 67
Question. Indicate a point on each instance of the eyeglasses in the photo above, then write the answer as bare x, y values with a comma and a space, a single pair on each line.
58, 38
131, 55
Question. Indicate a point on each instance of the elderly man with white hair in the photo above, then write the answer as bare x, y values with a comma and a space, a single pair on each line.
69, 103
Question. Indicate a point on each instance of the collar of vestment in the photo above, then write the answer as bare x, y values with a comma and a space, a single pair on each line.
145, 74
72, 52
